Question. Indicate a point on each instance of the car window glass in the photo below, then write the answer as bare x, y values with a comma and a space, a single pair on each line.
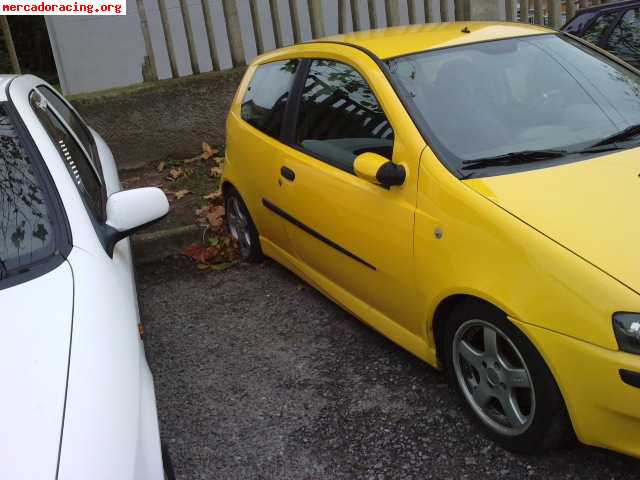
75, 124
340, 117
266, 98
74, 157
26, 231
534, 93
599, 27
625, 38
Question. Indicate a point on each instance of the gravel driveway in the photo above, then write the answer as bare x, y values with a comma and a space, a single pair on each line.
259, 376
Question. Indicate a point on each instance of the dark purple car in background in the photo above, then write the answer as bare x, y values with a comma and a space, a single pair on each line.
613, 26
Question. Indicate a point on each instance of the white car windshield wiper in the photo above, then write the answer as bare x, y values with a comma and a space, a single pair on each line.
513, 158
622, 135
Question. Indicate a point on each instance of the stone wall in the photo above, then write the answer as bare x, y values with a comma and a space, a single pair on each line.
163, 120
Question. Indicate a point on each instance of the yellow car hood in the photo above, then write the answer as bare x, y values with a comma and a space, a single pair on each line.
591, 207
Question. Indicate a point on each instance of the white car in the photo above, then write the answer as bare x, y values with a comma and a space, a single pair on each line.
77, 397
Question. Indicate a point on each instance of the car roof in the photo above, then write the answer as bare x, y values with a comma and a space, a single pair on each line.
397, 41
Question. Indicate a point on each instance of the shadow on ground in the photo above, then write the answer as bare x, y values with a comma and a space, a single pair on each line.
259, 376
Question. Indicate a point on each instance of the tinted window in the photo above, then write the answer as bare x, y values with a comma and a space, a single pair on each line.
26, 231
266, 98
533, 93
599, 27
625, 38
73, 155
340, 117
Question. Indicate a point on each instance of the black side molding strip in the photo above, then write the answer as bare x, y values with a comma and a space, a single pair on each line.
313, 233
630, 378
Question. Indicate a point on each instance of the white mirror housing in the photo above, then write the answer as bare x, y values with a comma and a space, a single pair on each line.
131, 210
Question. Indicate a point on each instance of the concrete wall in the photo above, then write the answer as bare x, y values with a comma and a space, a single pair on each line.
168, 119
99, 52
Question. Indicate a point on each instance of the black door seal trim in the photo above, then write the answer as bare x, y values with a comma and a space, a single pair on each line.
313, 233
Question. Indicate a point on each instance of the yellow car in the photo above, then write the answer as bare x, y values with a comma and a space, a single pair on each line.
471, 191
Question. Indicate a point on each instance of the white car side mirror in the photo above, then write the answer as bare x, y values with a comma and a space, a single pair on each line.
131, 210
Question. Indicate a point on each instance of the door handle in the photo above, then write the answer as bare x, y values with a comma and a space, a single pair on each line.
288, 174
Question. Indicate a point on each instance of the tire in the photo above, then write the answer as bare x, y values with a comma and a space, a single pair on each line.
167, 465
508, 390
241, 227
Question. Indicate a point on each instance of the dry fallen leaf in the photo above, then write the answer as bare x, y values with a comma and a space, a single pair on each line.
182, 193
214, 217
160, 166
174, 174
212, 195
207, 151
215, 172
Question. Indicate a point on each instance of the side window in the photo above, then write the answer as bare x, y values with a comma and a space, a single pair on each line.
266, 97
599, 28
340, 117
74, 122
73, 154
26, 230
625, 38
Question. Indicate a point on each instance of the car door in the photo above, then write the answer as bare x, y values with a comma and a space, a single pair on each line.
255, 143
355, 234
624, 40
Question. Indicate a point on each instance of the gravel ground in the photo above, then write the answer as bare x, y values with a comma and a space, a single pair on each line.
259, 376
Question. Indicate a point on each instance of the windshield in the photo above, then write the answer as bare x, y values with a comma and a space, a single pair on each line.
545, 92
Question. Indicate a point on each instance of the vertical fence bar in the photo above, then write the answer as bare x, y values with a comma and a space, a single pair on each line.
373, 14
392, 10
510, 9
553, 11
524, 11
168, 38
11, 47
342, 16
257, 28
538, 12
234, 33
191, 46
355, 16
411, 6
444, 10
146, 35
275, 21
459, 10
584, 3
571, 9
317, 18
428, 17
295, 21
211, 40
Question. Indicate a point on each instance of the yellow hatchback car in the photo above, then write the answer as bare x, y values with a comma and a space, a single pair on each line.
471, 191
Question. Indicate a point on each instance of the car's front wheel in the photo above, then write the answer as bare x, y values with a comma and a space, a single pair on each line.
503, 380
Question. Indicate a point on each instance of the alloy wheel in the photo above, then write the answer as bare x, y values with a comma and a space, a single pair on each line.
493, 377
239, 225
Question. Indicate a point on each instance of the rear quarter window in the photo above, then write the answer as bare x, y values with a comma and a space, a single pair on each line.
26, 228
266, 97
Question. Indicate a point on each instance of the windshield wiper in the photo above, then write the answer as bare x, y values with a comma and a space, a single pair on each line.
622, 135
513, 158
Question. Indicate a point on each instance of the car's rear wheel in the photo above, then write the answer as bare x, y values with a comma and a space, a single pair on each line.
503, 380
241, 227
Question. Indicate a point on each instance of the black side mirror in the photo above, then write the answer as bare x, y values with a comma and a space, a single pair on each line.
377, 169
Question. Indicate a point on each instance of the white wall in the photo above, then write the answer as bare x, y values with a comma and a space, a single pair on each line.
99, 52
